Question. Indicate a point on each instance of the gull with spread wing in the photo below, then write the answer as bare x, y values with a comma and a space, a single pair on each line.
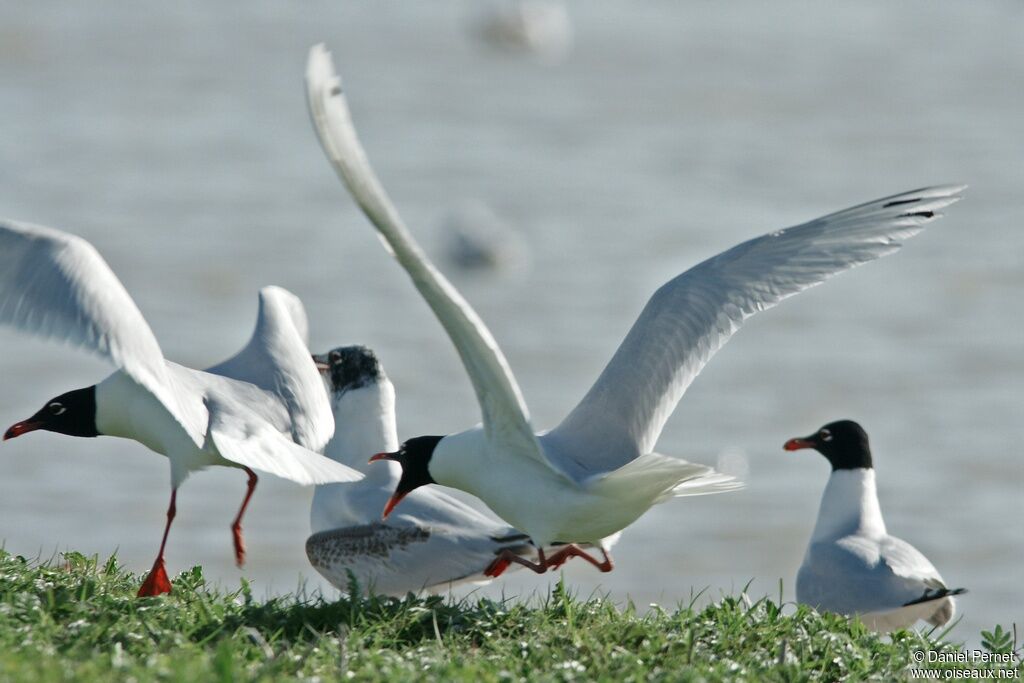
597, 472
263, 409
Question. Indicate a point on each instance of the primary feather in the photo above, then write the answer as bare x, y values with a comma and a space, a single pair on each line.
57, 286
693, 315
505, 416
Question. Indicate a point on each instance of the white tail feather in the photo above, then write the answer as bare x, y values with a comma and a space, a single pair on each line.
660, 477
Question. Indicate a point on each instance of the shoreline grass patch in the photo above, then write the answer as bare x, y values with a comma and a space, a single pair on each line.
78, 618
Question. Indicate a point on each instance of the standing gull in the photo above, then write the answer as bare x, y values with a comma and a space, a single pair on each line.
432, 541
263, 409
596, 472
853, 565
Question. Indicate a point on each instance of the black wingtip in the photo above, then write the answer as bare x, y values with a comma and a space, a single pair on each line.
937, 594
511, 538
897, 202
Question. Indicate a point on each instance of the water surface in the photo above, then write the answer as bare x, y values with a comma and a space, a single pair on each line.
175, 138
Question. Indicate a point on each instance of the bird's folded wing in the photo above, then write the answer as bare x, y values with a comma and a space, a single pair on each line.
690, 317
848, 577
238, 435
399, 557
56, 285
892, 570
277, 360
505, 417
907, 562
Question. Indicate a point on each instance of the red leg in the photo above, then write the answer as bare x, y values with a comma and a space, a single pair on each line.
558, 559
157, 582
236, 526
573, 550
507, 557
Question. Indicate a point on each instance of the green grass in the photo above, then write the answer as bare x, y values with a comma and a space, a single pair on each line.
78, 619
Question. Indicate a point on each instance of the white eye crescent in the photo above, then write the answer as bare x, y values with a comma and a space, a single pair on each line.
825, 435
56, 408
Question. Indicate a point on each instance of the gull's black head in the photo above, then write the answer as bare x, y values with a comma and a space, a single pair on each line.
414, 457
349, 367
844, 443
73, 413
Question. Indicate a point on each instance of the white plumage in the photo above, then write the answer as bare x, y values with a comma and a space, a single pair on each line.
596, 473
431, 542
852, 565
265, 408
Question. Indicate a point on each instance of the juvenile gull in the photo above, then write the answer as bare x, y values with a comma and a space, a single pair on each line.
433, 542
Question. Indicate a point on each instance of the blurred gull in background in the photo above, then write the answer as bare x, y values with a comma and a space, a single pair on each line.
478, 240
542, 28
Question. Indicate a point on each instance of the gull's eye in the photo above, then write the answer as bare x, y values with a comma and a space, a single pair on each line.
56, 408
825, 435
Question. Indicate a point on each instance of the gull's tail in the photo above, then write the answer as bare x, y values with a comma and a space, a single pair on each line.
659, 477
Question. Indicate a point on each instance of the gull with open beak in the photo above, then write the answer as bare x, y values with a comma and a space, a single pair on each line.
597, 472
432, 542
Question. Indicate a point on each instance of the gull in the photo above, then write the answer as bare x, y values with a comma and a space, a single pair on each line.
852, 565
263, 409
433, 541
539, 27
597, 472
479, 240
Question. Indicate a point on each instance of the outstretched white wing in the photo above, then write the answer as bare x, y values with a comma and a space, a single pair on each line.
690, 317
57, 286
505, 416
239, 435
277, 360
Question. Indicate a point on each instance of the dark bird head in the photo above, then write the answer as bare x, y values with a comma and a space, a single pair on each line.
414, 457
348, 367
73, 413
844, 443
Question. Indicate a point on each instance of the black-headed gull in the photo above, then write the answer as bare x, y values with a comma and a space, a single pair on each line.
596, 472
433, 541
852, 565
264, 409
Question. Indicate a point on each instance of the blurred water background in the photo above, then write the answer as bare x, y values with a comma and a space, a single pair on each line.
174, 137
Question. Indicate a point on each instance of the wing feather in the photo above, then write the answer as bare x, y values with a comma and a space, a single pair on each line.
244, 438
690, 317
505, 416
277, 360
906, 561
57, 286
